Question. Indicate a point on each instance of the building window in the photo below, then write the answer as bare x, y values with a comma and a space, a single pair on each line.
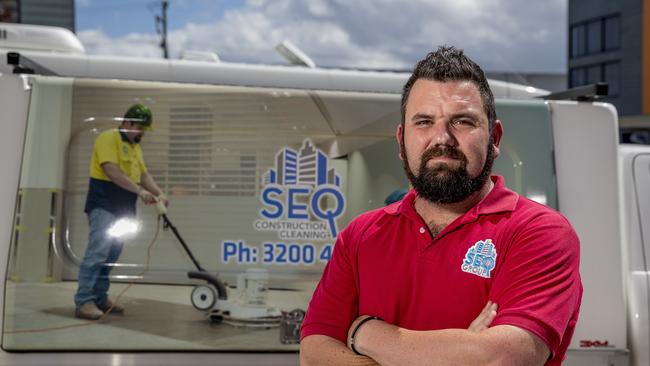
577, 40
608, 72
577, 77
594, 74
613, 78
595, 36
612, 33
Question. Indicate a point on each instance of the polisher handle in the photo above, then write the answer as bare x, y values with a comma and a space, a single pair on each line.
160, 207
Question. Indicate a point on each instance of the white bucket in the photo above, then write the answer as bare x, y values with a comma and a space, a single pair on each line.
253, 286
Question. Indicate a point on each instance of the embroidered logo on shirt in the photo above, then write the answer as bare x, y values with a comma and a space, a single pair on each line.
125, 149
480, 258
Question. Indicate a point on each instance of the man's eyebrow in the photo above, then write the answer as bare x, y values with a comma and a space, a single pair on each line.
423, 116
465, 114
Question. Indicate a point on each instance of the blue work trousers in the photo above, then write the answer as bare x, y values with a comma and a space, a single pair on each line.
102, 252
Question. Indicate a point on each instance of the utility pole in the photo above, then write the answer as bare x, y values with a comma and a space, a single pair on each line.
162, 21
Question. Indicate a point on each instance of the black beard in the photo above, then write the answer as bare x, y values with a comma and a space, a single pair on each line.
137, 139
443, 184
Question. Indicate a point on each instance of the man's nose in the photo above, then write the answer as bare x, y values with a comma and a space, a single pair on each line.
442, 134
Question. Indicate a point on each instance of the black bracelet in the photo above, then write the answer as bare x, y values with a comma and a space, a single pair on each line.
356, 329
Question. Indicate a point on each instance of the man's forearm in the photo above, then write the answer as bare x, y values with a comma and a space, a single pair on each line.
319, 350
501, 345
150, 185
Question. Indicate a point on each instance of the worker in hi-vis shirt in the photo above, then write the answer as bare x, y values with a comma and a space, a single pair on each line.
118, 176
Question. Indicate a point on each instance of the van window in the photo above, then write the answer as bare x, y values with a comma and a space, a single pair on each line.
259, 185
526, 160
260, 182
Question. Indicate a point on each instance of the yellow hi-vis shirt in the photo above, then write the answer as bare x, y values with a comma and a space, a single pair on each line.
111, 147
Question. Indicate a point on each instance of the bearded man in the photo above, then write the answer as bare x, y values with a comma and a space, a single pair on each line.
419, 281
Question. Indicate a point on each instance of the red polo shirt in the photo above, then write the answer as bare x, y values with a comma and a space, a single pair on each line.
520, 254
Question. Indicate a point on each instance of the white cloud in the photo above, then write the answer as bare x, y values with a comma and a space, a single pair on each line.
134, 45
501, 35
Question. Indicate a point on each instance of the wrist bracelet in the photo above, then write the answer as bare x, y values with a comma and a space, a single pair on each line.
356, 329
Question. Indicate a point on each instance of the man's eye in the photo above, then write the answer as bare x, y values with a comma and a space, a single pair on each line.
422, 122
463, 122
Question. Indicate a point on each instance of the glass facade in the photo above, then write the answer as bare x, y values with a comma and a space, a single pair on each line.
608, 72
612, 33
595, 36
612, 75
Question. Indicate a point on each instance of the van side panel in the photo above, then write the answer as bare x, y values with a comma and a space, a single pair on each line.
635, 160
14, 105
588, 194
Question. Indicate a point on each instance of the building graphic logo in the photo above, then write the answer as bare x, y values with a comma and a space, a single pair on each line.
301, 195
480, 258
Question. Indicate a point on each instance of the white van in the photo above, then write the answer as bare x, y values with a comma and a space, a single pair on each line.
263, 165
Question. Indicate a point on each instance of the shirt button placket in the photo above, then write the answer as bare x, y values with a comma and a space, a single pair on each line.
425, 240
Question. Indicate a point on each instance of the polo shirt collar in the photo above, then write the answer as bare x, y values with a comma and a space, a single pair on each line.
500, 199
124, 137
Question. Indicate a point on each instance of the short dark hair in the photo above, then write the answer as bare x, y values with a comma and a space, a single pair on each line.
449, 63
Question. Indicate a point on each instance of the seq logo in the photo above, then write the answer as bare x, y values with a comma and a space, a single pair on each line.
480, 258
301, 196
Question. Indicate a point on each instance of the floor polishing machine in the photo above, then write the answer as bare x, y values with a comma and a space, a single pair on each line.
248, 308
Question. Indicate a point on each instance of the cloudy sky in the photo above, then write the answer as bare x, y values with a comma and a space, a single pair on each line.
501, 35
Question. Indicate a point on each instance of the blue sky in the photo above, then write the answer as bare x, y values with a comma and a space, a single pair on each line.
120, 17
501, 35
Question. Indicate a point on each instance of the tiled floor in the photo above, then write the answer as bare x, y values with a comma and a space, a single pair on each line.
40, 316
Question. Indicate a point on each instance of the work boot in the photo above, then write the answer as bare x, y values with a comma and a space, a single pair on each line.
114, 308
88, 311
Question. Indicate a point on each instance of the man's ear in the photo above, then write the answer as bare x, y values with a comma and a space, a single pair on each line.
497, 133
399, 135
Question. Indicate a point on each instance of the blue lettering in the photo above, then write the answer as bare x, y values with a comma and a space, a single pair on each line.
470, 257
244, 255
328, 215
308, 253
270, 200
294, 253
281, 258
294, 210
229, 250
326, 253
238, 251
268, 252
478, 260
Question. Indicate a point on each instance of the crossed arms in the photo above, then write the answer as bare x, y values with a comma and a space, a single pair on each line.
386, 344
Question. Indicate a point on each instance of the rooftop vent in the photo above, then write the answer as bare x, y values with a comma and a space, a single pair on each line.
39, 37
294, 55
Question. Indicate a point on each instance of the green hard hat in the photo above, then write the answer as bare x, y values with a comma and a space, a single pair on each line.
139, 114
